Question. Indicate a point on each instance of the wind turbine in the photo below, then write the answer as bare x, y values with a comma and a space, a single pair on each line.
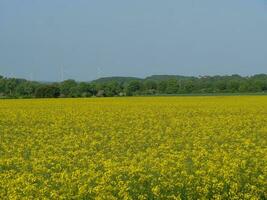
98, 72
31, 76
62, 73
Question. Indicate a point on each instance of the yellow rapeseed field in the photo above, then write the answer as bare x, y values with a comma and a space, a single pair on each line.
134, 148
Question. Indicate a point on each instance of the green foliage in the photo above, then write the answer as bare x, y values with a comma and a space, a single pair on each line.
172, 86
133, 87
121, 86
66, 87
47, 91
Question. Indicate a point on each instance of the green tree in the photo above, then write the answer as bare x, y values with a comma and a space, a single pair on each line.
47, 91
85, 89
189, 86
65, 87
25, 89
172, 86
10, 86
133, 87
2, 86
233, 86
162, 87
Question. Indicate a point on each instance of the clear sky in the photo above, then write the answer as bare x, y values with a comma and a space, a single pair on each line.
91, 38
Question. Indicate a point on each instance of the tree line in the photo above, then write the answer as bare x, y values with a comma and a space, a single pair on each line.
114, 86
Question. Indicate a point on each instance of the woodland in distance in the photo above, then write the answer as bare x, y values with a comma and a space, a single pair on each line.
132, 86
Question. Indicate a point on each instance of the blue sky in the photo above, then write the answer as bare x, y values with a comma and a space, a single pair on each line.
92, 38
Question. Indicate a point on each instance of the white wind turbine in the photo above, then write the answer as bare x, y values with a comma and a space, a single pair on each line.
99, 72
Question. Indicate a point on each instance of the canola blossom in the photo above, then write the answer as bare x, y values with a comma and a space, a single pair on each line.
134, 148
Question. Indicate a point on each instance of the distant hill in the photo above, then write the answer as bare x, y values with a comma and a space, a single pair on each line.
167, 77
118, 79
121, 79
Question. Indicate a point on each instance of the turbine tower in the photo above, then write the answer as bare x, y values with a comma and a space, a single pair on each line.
62, 74
98, 72
31, 76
